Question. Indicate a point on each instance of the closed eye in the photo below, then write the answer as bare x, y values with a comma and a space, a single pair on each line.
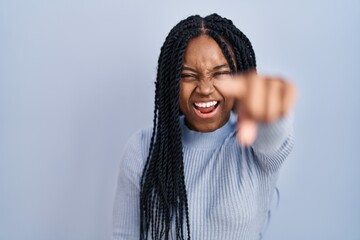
188, 76
217, 74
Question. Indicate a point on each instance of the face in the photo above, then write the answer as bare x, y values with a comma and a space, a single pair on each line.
205, 106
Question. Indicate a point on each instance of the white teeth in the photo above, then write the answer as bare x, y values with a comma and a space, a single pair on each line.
207, 104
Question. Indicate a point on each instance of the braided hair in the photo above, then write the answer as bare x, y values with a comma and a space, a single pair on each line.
163, 198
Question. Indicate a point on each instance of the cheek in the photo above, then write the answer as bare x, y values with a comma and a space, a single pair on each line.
223, 90
182, 104
230, 102
184, 96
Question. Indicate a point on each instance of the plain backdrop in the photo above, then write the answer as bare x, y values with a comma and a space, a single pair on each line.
77, 79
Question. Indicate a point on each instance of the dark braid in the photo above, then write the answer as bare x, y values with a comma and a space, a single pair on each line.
240, 44
224, 48
163, 196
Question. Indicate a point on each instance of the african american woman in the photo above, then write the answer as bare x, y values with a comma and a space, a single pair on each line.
208, 167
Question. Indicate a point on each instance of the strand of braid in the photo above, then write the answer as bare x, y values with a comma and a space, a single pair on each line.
163, 193
163, 196
241, 45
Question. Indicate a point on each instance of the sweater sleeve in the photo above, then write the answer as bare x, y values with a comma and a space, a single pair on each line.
274, 142
126, 213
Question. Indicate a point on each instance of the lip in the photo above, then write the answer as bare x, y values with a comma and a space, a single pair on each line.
206, 115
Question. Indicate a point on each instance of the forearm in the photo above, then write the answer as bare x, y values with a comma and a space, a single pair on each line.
274, 142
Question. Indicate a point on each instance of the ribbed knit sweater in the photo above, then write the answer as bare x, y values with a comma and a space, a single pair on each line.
229, 187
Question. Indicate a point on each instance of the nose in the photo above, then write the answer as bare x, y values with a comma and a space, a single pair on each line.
205, 87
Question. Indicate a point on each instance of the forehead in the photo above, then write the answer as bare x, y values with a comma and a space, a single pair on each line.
203, 52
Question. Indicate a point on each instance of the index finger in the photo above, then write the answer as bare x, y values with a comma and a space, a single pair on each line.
235, 85
231, 85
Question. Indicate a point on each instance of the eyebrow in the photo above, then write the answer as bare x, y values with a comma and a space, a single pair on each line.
188, 68
220, 66
215, 68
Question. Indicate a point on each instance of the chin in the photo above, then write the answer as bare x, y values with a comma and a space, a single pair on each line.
205, 127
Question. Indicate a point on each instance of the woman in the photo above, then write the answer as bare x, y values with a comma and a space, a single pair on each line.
204, 172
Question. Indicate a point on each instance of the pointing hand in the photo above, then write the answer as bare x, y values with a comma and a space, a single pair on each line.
260, 99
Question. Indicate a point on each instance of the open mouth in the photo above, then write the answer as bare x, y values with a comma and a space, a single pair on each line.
206, 109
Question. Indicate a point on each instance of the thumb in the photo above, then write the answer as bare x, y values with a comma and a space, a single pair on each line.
247, 130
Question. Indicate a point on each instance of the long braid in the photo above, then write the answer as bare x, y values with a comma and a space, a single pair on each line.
177, 131
163, 195
241, 45
224, 48
159, 181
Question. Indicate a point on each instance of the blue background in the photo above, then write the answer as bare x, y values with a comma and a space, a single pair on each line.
76, 80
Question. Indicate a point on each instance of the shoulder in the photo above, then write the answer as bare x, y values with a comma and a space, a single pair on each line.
138, 143
134, 154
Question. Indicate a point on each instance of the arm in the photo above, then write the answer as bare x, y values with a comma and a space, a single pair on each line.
126, 213
274, 142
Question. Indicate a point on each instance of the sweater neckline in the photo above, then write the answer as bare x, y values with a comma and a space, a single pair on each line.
206, 140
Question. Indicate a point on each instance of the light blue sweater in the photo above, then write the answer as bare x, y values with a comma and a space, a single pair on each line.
229, 187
